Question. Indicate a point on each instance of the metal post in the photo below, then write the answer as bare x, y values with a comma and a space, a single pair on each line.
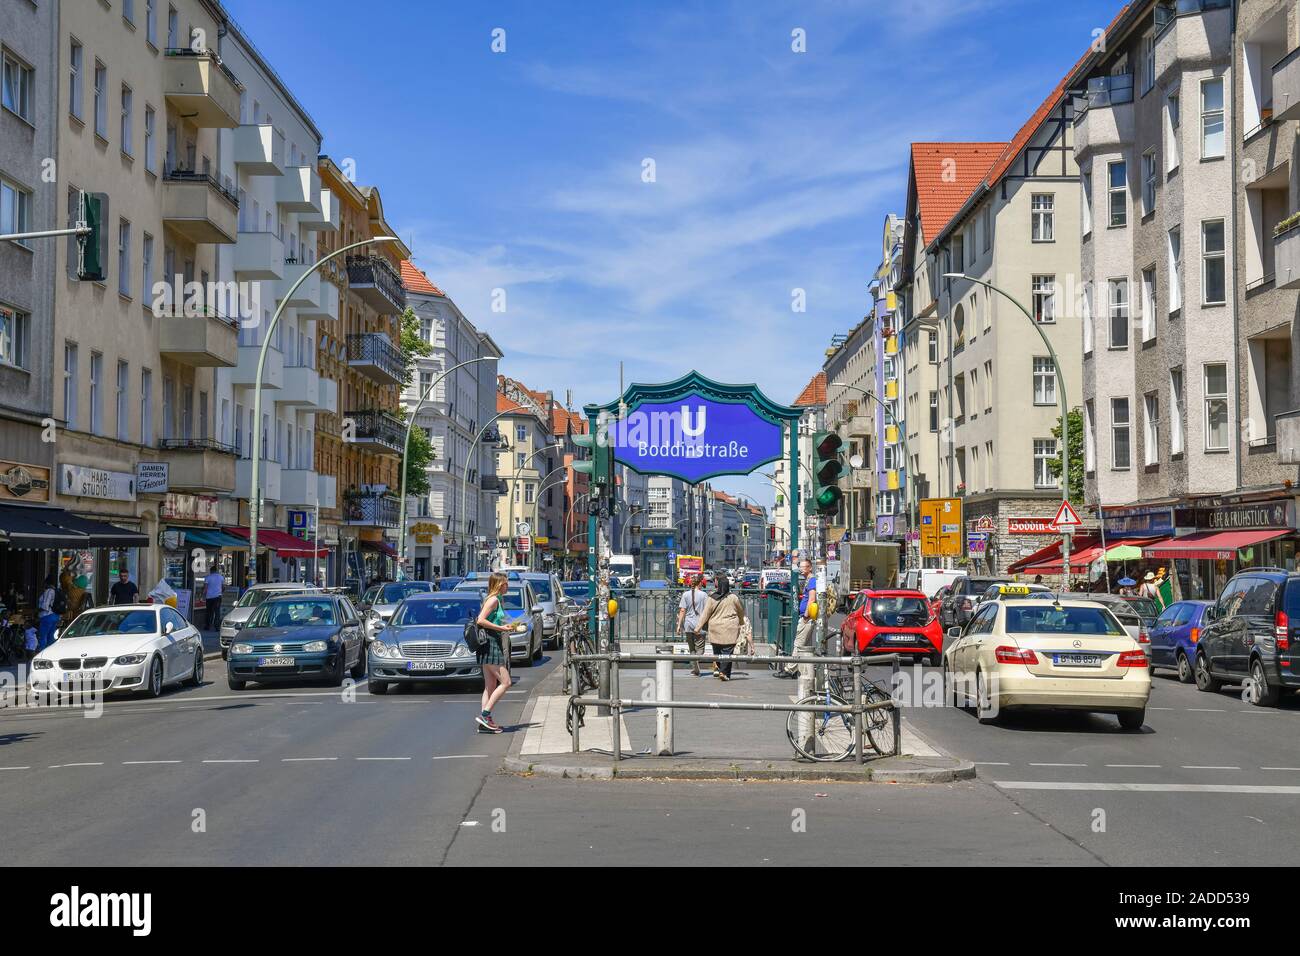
857, 703
575, 690
663, 691
896, 713
616, 712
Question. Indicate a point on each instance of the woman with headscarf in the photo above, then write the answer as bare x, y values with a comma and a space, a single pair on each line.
722, 619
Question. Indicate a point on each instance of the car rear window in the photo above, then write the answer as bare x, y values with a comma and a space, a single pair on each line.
1049, 619
980, 585
900, 611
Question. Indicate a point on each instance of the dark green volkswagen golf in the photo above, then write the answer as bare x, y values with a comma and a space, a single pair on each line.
299, 638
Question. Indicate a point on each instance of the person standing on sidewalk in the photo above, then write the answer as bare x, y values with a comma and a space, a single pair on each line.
689, 610
722, 618
803, 635
495, 657
214, 585
48, 616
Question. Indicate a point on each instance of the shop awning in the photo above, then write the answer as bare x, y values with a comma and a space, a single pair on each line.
379, 547
46, 528
1085, 551
1210, 545
213, 538
281, 542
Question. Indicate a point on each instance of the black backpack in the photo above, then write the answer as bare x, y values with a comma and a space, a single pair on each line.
60, 603
475, 638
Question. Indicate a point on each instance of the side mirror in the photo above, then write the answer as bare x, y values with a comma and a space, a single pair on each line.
954, 632
168, 627
1212, 612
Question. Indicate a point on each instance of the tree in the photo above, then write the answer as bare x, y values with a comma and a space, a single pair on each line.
419, 452
1076, 455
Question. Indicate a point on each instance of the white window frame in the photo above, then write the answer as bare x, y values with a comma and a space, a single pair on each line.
1045, 451
70, 385
97, 393
101, 100
76, 93
124, 258
1043, 216
15, 326
1174, 249
1117, 308
19, 87
1044, 374
1114, 192
1089, 437
1149, 304
15, 210
1043, 291
150, 139
1116, 428
1086, 196
146, 407
1209, 116
1173, 124
1085, 308
1177, 430
1151, 428
1149, 180
1216, 398
1209, 256
122, 402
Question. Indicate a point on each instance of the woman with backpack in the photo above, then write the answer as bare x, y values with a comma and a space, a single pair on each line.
50, 608
723, 617
494, 656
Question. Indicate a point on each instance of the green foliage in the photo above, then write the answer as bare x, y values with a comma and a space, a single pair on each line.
1076, 455
420, 451
413, 345
418, 458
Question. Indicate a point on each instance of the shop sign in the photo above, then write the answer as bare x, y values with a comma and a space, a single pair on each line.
152, 477
20, 482
83, 482
1139, 521
178, 507
1031, 526
424, 531
1218, 514
524, 545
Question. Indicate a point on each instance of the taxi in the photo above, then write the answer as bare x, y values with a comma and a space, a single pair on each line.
1019, 653
1004, 590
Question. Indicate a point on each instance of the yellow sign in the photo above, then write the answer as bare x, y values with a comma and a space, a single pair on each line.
1013, 589
541, 542
941, 528
423, 532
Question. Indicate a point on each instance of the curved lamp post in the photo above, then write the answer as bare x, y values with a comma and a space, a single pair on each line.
1065, 411
473, 446
516, 476
406, 447
254, 489
537, 501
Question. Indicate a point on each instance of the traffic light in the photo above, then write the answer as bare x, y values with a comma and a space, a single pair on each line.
827, 468
599, 465
93, 247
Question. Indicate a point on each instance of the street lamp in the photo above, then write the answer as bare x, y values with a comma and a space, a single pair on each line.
515, 477
473, 446
1065, 411
907, 461
537, 499
406, 447
255, 490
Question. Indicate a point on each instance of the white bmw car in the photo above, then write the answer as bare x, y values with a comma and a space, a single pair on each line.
125, 647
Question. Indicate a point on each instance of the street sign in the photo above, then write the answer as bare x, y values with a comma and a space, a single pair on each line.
524, 545
985, 523
1067, 519
941, 527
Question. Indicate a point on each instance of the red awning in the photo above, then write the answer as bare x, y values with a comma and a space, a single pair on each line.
282, 543
1210, 545
1048, 560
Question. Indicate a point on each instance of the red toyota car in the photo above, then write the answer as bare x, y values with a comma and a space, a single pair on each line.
893, 622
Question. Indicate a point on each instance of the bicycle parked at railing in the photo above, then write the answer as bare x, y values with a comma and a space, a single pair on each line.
830, 736
576, 639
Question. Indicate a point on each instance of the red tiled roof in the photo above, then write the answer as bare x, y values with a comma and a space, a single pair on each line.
414, 280
946, 174
505, 405
814, 393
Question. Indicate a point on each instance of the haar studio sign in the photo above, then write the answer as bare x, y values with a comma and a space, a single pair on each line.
82, 482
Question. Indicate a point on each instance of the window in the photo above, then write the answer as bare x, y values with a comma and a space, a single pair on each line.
1119, 313
1148, 62
988, 386
1176, 434
1089, 438
1148, 304
1214, 280
123, 400
1118, 173
932, 344
101, 100
169, 410
1044, 455
1085, 309
1119, 435
934, 411
173, 29
988, 228
1175, 269
13, 337
1151, 406
146, 270
70, 385
1216, 407
1044, 296
124, 257
1212, 119
1044, 381
1044, 217
1173, 152
1086, 180
150, 140
15, 210
521, 433
1148, 182
529, 492
19, 79
146, 407
74, 80
151, 22
96, 393
128, 11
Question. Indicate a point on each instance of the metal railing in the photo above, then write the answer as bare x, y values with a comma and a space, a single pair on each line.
378, 426
858, 708
197, 444
374, 348
191, 176
378, 272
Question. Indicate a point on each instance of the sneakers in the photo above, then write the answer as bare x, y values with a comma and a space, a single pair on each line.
721, 675
488, 725
785, 675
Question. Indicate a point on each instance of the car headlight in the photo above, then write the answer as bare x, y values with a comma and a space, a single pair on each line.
461, 650
41, 664
130, 659
315, 647
234, 625
241, 648
380, 649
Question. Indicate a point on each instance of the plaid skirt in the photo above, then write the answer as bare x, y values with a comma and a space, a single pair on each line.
494, 653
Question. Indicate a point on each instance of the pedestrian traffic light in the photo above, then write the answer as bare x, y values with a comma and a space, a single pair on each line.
92, 248
827, 468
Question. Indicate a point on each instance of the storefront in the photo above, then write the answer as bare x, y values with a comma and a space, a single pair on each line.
281, 556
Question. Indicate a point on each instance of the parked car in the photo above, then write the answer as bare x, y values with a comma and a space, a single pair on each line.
936, 602
1063, 654
749, 581
448, 584
520, 604
1251, 636
892, 622
424, 641
959, 606
1007, 591
546, 586
299, 637
577, 592
121, 648
1175, 635
379, 602
248, 602
1128, 614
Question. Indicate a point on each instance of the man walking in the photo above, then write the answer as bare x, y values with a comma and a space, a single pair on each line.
803, 636
214, 586
689, 610
124, 590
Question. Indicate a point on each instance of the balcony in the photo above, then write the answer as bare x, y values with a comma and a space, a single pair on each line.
376, 511
299, 486
1286, 87
1286, 258
860, 425
298, 190
327, 397
268, 477
245, 372
375, 431
1104, 115
259, 150
327, 491
492, 484
377, 283
258, 256
374, 356
201, 88
199, 208
307, 295
327, 220
1196, 35
301, 387
327, 303
199, 465
202, 339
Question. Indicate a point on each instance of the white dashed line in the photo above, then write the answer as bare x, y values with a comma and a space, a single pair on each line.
15, 768
383, 758
460, 756
1205, 710
991, 763
57, 766
1209, 768
305, 759
1145, 787
1058, 765
1135, 766
230, 761
137, 763
469, 823
1292, 769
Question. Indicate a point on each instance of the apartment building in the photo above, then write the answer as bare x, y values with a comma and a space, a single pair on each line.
529, 462
999, 387
812, 399
850, 361
360, 445
572, 551
453, 415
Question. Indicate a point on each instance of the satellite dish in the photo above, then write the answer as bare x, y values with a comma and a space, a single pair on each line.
856, 461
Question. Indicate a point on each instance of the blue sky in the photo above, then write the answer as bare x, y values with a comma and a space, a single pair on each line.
774, 170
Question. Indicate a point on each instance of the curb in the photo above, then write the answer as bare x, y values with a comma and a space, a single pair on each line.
633, 770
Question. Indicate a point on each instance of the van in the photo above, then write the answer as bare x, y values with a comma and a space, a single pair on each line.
1253, 636
929, 580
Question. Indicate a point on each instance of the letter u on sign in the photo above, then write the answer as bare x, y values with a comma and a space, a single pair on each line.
697, 429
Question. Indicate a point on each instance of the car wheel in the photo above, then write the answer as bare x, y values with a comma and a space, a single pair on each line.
359, 669
154, 686
1264, 695
537, 654
378, 687
340, 668
235, 684
1205, 681
936, 658
985, 712
1132, 719
1184, 669
196, 675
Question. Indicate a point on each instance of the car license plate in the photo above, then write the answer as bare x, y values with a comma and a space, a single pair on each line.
275, 662
1077, 660
80, 677
426, 665
903, 638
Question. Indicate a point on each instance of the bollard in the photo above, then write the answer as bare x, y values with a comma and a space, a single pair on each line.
576, 689
615, 712
663, 715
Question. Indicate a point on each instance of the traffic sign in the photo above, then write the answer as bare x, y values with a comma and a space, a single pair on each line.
985, 523
1066, 518
941, 525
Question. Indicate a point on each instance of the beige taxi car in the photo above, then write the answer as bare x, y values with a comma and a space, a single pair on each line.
1038, 654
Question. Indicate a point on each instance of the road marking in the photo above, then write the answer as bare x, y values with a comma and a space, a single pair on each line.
1205, 710
1145, 787
1293, 769
133, 763
991, 763
469, 823
383, 758
230, 761
1058, 765
91, 763
15, 768
1135, 766
1193, 767
460, 756
304, 759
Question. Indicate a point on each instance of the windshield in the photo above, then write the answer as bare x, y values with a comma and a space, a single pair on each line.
542, 587
392, 593
511, 600
439, 611
750, 578
256, 596
900, 611
577, 589
1146, 608
620, 567
113, 622
1062, 620
304, 613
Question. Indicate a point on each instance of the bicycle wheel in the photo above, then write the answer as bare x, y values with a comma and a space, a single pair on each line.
832, 733
878, 725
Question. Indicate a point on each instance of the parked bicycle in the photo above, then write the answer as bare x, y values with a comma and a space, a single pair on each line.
577, 641
831, 735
